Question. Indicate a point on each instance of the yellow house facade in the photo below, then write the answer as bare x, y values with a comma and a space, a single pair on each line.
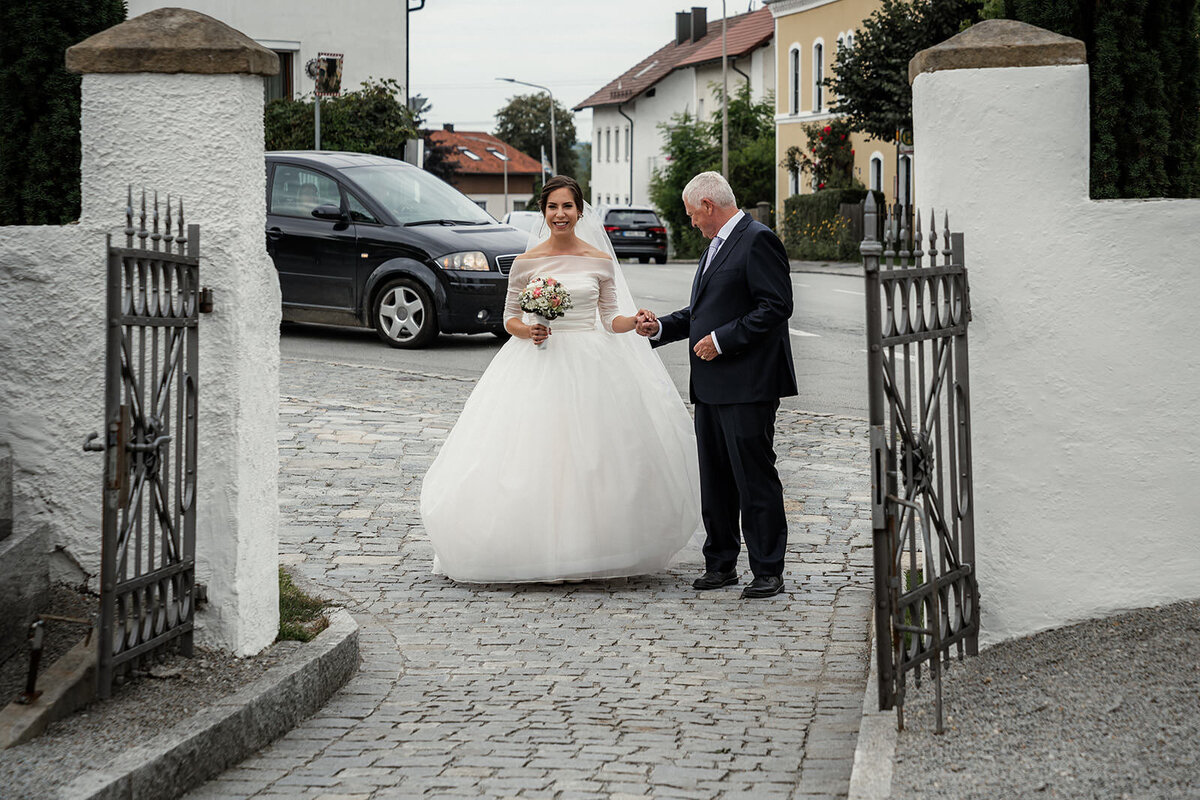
808, 34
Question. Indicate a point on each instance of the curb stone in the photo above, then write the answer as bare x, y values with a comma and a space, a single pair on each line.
215, 739
874, 755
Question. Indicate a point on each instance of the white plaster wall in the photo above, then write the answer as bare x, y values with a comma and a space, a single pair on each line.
1086, 429
371, 34
52, 386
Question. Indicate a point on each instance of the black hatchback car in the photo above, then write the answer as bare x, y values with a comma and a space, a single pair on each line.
636, 233
364, 240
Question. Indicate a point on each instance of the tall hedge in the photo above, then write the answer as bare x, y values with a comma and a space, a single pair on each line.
39, 106
370, 119
813, 228
1144, 63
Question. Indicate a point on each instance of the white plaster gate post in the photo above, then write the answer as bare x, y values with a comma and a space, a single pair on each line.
173, 102
1085, 424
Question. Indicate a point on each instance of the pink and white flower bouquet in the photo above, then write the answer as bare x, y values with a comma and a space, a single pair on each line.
545, 297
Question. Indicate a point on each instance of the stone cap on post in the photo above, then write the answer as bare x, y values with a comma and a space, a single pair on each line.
999, 43
172, 40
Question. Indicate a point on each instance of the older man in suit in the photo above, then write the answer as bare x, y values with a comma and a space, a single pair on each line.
741, 365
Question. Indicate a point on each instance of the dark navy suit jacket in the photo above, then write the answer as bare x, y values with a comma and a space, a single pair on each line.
745, 297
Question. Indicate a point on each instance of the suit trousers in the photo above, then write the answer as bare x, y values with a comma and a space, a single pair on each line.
738, 479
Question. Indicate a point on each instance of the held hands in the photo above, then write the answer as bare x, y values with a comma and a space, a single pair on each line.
705, 349
646, 323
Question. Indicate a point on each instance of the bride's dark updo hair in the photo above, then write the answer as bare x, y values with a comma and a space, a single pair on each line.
561, 182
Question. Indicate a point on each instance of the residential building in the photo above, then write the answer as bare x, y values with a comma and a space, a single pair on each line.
808, 34
371, 35
498, 177
683, 75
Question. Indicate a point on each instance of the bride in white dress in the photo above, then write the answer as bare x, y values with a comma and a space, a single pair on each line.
575, 459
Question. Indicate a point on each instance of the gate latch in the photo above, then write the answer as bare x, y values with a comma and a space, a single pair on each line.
206, 300
92, 446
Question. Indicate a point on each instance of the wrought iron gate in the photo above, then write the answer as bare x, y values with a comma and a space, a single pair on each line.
926, 595
147, 570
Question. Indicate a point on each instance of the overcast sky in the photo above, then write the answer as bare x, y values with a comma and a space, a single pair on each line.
459, 47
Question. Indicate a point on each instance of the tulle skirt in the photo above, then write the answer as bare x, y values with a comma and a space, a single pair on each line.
570, 461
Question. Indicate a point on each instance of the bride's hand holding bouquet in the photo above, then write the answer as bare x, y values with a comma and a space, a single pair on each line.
548, 299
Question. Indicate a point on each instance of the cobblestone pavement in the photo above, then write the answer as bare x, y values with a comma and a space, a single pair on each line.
627, 688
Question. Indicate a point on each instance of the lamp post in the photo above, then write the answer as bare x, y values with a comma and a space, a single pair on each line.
724, 99
486, 145
553, 137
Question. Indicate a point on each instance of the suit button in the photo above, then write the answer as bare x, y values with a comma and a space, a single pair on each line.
693, 317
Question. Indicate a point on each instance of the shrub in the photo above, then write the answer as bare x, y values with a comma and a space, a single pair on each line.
368, 120
814, 230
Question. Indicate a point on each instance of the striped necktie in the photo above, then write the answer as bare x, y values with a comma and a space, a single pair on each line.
711, 253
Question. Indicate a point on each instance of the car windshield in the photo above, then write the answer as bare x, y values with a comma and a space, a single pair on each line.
413, 195
631, 218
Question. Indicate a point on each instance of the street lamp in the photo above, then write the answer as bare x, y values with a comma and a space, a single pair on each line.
486, 145
725, 100
553, 138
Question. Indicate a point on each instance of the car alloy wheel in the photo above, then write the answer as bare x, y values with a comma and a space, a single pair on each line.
404, 315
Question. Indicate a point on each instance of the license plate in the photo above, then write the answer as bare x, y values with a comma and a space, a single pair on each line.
641, 234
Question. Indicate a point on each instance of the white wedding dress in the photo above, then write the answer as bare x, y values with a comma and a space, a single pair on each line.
572, 460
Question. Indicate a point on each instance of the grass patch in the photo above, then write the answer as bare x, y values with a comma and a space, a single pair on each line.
301, 617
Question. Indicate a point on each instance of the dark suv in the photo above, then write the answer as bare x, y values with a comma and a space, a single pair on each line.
365, 240
636, 232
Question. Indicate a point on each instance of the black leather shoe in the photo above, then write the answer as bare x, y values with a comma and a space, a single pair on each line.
763, 586
715, 580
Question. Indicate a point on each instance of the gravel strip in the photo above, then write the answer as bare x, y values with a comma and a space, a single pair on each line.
1108, 708
174, 689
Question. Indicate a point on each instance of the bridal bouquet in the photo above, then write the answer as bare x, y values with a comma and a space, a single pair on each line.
545, 297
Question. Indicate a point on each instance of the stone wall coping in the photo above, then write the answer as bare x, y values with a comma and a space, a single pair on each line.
172, 40
999, 43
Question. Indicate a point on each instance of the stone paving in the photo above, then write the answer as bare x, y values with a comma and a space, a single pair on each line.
627, 688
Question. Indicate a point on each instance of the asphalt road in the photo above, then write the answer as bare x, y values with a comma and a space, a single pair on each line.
828, 341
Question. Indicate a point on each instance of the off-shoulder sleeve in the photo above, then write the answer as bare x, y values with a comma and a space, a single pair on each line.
607, 302
518, 279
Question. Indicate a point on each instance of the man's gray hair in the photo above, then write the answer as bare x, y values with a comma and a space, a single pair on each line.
711, 186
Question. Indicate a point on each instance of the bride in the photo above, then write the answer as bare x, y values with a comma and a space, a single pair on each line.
574, 456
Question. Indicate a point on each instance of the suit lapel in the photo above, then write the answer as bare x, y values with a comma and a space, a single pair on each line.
722, 255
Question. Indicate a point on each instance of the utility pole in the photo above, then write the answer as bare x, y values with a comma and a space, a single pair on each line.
553, 135
724, 99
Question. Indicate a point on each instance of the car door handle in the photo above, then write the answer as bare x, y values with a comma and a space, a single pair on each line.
274, 233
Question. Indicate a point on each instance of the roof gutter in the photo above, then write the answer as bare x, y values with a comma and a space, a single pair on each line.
629, 149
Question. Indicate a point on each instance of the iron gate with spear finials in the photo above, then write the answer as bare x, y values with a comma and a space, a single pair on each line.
147, 570
926, 593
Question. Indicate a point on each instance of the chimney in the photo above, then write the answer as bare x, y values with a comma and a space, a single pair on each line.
683, 27
699, 22
448, 126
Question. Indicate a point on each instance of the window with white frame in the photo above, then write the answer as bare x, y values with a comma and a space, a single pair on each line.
628, 141
616, 144
850, 39
818, 75
466, 152
608, 144
794, 79
793, 182
905, 197
841, 41
876, 172
599, 152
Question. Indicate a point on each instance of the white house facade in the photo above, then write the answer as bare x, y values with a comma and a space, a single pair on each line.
684, 76
371, 35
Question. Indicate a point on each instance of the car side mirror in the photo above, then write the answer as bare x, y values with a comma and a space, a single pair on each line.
329, 212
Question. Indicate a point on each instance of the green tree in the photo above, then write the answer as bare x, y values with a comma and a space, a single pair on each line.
524, 122
693, 147
829, 157
371, 119
39, 106
870, 79
1144, 68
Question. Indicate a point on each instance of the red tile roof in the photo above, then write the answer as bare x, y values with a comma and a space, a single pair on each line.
744, 33
488, 163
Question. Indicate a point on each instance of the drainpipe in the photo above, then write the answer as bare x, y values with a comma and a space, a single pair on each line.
733, 66
629, 149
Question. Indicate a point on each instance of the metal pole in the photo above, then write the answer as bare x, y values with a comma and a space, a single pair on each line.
725, 99
553, 133
317, 118
506, 179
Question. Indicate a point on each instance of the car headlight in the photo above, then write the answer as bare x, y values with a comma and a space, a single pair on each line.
473, 260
